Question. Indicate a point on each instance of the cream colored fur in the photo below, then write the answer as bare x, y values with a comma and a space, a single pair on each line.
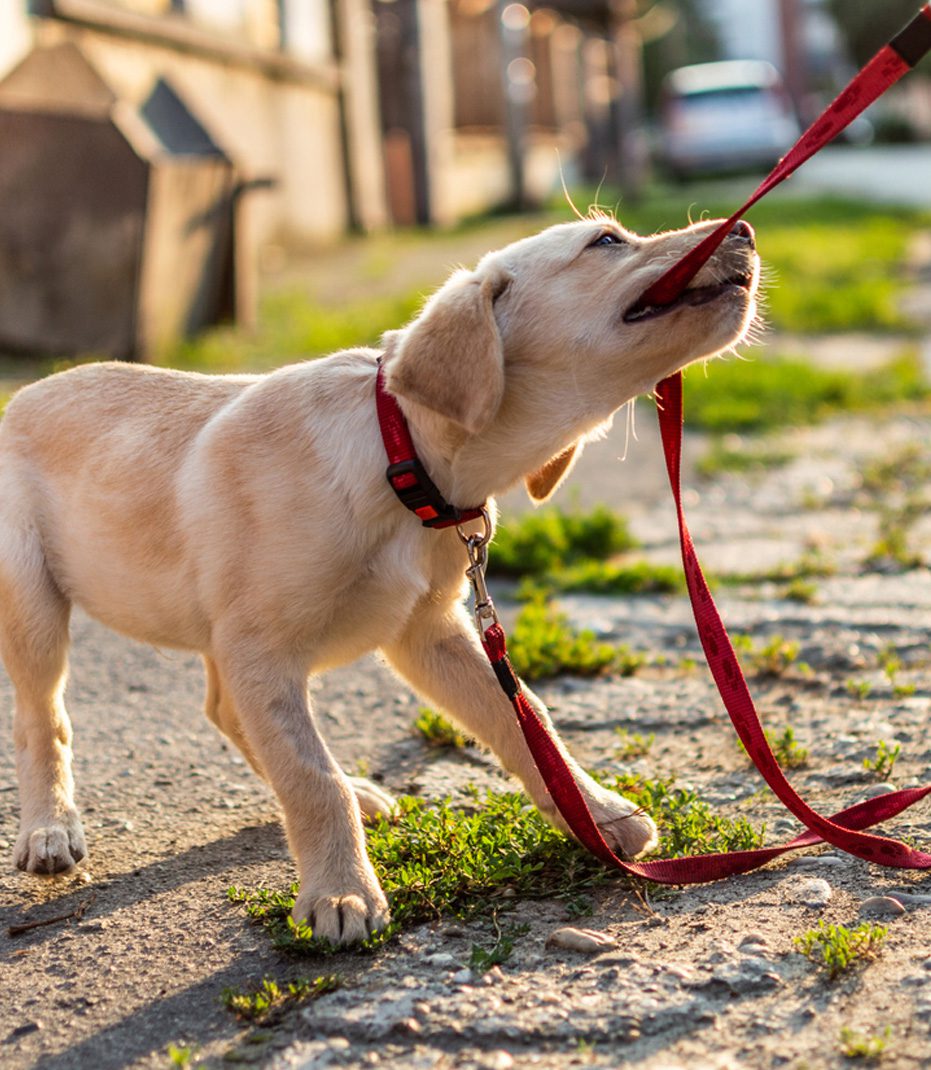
248, 518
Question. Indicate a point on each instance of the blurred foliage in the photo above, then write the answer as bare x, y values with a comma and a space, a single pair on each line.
867, 27
538, 543
775, 391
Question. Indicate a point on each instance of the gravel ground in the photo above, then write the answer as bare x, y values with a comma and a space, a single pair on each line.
694, 978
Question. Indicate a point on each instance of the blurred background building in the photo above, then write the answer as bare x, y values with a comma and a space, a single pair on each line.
152, 148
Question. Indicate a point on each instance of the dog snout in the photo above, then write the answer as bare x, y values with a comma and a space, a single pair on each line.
744, 232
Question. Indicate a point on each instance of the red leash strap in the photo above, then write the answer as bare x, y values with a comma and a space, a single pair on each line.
843, 830
883, 70
698, 869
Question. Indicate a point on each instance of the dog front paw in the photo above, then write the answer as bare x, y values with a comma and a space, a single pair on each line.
53, 847
343, 919
627, 829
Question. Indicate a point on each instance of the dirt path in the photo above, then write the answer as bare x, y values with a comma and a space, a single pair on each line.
701, 977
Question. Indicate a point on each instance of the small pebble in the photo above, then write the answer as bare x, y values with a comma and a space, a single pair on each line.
586, 941
442, 959
875, 790
497, 1060
25, 1029
811, 891
881, 906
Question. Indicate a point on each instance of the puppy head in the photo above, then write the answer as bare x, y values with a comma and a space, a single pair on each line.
539, 345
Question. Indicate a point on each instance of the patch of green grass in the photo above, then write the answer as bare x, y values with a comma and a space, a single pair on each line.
481, 960
4, 400
687, 825
772, 392
552, 539
904, 469
892, 548
836, 949
726, 455
882, 764
771, 658
437, 731
444, 860
181, 1055
860, 689
543, 644
869, 1048
271, 999
632, 744
809, 565
291, 328
788, 752
610, 578
802, 591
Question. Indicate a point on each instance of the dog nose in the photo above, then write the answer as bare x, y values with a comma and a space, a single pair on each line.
742, 229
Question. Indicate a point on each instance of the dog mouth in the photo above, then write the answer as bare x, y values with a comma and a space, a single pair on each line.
693, 297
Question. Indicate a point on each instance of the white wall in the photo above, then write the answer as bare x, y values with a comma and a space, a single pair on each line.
15, 36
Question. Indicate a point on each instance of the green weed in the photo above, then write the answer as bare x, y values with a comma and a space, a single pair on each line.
803, 591
181, 1055
812, 564
836, 949
864, 1046
543, 644
271, 998
788, 752
610, 578
883, 763
687, 825
725, 455
437, 731
777, 391
772, 658
552, 539
892, 547
632, 744
482, 959
860, 689
444, 860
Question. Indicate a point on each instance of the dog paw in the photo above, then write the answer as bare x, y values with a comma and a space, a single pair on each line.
626, 828
55, 847
373, 800
343, 919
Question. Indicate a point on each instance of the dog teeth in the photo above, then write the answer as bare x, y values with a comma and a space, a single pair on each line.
647, 310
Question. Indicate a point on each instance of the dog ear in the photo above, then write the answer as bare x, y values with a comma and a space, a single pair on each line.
542, 483
450, 359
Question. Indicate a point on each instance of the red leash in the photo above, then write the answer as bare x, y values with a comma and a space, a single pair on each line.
845, 829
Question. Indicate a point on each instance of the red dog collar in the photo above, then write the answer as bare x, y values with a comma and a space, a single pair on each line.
406, 475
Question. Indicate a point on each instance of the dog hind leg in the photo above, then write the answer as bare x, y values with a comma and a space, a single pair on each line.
373, 800
339, 894
34, 646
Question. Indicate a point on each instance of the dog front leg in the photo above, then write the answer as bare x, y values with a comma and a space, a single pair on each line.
441, 657
339, 893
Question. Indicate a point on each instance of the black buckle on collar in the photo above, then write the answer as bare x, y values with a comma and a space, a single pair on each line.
421, 495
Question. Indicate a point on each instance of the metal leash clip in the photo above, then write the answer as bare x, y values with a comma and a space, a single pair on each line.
483, 609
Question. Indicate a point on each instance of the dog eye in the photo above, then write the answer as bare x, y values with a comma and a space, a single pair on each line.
608, 238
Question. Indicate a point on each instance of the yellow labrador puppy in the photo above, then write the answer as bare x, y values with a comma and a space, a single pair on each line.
249, 518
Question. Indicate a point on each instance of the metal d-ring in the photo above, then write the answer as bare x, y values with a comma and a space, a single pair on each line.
477, 548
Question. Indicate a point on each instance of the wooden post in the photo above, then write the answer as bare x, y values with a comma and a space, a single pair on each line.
513, 19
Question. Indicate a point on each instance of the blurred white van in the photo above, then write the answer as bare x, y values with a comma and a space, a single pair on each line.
727, 116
